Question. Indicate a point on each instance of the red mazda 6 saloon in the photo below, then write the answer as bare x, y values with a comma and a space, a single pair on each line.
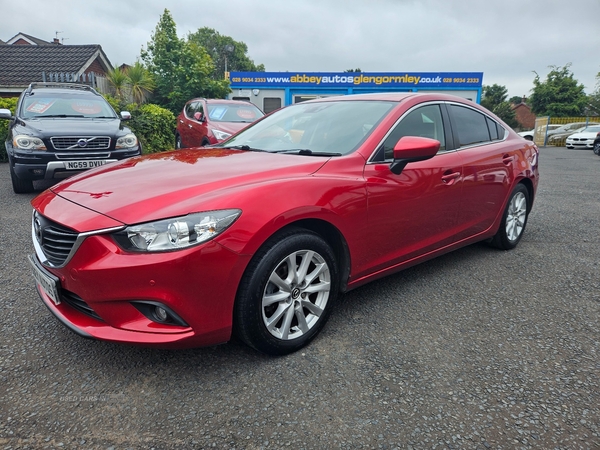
259, 235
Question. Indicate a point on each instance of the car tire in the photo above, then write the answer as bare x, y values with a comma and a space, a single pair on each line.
514, 219
178, 143
597, 148
529, 138
287, 292
20, 186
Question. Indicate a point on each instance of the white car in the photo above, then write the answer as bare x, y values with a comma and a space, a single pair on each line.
584, 138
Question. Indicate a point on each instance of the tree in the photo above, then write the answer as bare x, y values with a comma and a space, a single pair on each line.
353, 70
133, 83
181, 69
226, 52
117, 79
494, 98
560, 95
516, 100
594, 98
140, 82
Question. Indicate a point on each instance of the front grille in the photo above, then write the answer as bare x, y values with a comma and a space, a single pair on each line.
81, 143
55, 240
76, 302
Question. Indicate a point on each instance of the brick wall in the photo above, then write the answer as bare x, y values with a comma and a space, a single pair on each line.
97, 68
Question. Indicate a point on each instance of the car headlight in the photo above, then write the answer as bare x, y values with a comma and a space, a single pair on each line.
221, 135
28, 143
127, 141
176, 233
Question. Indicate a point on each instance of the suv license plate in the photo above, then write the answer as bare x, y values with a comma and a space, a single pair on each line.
47, 281
80, 165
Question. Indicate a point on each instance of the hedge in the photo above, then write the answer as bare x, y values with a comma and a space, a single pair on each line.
5, 103
154, 126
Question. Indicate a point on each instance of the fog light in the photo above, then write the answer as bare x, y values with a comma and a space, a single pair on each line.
161, 314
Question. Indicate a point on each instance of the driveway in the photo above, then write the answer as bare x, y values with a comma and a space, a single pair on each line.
477, 349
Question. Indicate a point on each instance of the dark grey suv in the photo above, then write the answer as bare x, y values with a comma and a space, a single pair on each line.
60, 129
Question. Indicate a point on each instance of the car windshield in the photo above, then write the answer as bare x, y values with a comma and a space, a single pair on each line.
328, 127
55, 104
593, 129
222, 112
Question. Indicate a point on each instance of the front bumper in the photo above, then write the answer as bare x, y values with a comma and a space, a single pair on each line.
580, 144
99, 287
50, 165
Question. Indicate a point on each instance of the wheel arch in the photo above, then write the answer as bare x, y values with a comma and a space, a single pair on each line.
326, 230
530, 190
335, 239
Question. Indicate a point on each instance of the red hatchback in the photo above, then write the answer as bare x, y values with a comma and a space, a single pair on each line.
209, 121
259, 235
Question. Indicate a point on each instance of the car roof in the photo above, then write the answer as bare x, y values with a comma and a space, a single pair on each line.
394, 97
221, 100
60, 87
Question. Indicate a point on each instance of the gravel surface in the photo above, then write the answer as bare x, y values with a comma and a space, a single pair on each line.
478, 349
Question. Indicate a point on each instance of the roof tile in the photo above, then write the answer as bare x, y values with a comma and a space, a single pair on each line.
24, 64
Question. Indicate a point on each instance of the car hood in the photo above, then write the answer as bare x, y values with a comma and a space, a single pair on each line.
70, 127
230, 127
162, 185
584, 135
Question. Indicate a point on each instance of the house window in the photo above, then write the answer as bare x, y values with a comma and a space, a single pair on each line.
271, 104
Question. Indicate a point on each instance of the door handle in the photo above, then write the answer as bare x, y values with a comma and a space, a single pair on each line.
450, 178
507, 159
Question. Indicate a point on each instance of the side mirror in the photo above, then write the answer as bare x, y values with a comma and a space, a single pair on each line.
199, 116
411, 149
5, 114
125, 115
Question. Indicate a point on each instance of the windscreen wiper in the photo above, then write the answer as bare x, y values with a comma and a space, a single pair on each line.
246, 148
306, 152
62, 116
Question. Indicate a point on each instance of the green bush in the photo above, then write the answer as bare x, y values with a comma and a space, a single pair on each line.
154, 126
114, 102
5, 103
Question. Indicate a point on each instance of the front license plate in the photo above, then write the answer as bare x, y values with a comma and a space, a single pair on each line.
81, 165
47, 281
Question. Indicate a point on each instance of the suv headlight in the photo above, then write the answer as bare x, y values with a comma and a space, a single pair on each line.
127, 141
221, 135
24, 142
176, 233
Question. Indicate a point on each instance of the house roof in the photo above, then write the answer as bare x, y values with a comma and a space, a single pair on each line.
32, 40
24, 64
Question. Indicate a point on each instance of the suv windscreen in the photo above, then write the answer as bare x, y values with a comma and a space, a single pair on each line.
220, 112
60, 104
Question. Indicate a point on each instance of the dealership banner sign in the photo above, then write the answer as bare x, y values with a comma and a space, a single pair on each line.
358, 79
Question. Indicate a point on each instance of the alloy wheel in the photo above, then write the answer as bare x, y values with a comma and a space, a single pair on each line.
296, 295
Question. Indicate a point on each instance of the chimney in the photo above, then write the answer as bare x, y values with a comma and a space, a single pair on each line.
56, 41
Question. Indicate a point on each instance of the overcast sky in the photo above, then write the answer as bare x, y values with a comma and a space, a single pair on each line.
507, 40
